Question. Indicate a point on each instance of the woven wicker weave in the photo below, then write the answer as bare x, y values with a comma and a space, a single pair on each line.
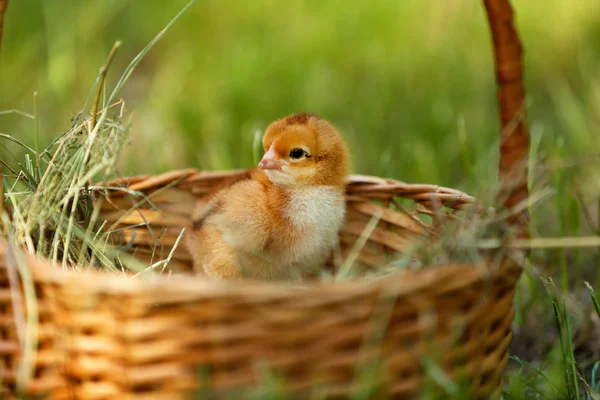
104, 336
166, 201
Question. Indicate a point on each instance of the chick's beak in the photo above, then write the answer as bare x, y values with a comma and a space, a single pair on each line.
269, 161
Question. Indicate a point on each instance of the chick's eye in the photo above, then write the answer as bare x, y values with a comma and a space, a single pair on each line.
298, 153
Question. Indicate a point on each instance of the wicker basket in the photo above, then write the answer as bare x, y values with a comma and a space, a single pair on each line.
106, 336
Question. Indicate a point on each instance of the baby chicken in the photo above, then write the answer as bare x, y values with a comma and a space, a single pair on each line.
283, 221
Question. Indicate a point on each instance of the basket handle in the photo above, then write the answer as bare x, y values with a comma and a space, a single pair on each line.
3, 6
514, 138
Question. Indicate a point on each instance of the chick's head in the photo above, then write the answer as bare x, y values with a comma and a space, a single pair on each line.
304, 149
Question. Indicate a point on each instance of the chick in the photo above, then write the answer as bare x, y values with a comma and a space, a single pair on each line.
283, 221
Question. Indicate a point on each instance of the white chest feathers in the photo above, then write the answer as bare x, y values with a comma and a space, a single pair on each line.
318, 213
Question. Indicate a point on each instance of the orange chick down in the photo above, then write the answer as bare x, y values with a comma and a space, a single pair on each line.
283, 221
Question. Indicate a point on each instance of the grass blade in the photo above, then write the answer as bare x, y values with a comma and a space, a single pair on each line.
594, 299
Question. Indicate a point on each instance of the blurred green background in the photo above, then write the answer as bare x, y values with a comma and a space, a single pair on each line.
410, 82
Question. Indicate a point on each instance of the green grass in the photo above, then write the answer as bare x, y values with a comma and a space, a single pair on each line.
410, 83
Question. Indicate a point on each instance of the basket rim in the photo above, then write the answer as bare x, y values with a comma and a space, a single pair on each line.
445, 277
355, 182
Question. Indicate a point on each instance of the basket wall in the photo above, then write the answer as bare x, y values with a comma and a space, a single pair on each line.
14, 333
116, 338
